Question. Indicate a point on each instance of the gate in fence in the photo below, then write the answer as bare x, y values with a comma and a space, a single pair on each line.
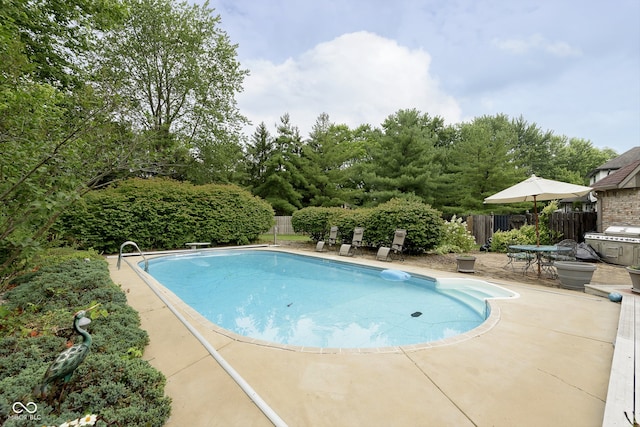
284, 225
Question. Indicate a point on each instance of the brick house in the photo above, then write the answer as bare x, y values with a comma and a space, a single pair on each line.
618, 191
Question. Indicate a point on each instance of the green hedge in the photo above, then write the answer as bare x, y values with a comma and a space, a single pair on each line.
36, 324
423, 224
164, 214
314, 221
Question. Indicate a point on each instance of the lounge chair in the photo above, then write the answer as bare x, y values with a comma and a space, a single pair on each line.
350, 249
397, 247
333, 236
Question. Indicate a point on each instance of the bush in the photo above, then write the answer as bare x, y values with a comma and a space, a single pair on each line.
501, 240
165, 214
315, 221
456, 238
526, 235
35, 325
423, 224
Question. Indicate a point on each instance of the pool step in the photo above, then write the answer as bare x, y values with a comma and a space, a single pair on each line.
472, 298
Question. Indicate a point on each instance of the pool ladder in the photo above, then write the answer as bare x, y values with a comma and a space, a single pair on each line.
130, 243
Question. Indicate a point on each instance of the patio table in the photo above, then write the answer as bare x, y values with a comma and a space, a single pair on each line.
538, 251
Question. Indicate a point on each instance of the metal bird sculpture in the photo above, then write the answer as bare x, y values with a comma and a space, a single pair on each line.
66, 363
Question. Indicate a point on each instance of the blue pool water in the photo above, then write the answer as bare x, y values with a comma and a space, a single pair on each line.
311, 302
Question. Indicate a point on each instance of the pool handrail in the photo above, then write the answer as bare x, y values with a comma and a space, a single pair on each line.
127, 243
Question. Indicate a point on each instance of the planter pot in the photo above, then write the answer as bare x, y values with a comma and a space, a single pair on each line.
574, 275
466, 264
635, 279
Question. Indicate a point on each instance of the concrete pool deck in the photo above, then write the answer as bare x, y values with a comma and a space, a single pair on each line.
546, 362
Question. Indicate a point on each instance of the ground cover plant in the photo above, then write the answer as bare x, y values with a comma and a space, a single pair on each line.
113, 382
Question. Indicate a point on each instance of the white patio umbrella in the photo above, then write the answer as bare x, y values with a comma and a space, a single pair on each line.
534, 189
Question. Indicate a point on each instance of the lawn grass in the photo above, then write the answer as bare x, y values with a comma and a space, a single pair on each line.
268, 238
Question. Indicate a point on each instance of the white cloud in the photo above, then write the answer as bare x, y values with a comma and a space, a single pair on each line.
356, 78
536, 43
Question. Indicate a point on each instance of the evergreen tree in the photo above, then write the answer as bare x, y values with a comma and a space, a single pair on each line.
285, 185
404, 159
258, 152
329, 154
479, 164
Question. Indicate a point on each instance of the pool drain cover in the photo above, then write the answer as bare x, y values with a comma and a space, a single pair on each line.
416, 314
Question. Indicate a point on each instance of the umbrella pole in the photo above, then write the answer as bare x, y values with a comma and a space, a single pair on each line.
535, 213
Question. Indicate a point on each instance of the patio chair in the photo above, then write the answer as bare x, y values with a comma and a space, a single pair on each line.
333, 236
548, 259
356, 243
569, 255
519, 261
397, 247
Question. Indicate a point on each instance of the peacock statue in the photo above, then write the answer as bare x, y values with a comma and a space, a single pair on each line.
66, 363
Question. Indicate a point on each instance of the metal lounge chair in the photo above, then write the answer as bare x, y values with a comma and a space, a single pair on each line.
333, 236
350, 249
397, 247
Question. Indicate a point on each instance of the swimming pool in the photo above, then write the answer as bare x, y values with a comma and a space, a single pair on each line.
305, 301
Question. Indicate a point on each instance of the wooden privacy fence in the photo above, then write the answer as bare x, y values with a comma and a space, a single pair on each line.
284, 225
571, 225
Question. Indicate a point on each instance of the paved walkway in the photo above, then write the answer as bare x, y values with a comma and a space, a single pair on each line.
546, 362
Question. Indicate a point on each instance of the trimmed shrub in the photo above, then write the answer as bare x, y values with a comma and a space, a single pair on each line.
36, 325
347, 220
501, 240
315, 221
165, 214
423, 223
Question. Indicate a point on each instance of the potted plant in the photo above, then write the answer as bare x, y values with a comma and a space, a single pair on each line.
574, 274
634, 273
466, 263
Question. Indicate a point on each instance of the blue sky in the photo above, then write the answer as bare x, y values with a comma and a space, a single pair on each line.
571, 66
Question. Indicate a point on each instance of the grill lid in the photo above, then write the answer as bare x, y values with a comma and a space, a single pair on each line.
623, 231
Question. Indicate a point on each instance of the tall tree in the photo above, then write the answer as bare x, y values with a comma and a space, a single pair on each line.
178, 73
329, 153
403, 160
55, 38
258, 152
57, 138
574, 159
479, 164
285, 185
533, 148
